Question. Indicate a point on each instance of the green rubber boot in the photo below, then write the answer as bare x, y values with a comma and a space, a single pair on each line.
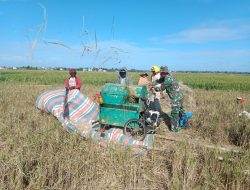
175, 125
175, 129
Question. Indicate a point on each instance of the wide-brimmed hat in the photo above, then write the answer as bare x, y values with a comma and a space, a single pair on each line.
143, 74
164, 69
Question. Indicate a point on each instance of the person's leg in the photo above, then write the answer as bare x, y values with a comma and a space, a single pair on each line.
157, 105
151, 105
175, 111
151, 101
182, 112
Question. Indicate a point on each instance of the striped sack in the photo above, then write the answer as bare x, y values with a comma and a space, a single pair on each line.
76, 112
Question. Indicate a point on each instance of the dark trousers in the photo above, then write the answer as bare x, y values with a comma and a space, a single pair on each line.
155, 105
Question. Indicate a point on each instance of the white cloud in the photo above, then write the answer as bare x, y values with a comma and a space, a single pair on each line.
210, 32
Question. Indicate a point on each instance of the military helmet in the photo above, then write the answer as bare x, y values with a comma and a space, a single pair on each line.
155, 69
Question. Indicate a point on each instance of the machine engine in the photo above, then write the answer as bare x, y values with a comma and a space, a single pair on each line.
152, 118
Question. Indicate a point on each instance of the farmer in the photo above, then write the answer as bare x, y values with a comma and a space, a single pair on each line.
73, 82
167, 82
155, 96
143, 79
123, 79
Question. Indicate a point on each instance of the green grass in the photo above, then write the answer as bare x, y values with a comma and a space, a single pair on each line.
54, 77
234, 82
211, 81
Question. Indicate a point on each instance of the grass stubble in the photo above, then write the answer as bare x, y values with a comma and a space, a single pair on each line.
37, 153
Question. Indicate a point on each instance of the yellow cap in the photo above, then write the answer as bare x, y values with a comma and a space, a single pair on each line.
155, 69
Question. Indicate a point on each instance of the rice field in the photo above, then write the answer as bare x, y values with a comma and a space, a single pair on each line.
207, 81
37, 153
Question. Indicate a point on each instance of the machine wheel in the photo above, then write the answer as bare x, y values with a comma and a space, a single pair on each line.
135, 128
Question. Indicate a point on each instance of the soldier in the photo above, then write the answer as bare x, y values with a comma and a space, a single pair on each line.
172, 87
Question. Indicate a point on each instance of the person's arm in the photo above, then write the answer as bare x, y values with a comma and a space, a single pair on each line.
161, 84
160, 80
129, 81
167, 82
78, 83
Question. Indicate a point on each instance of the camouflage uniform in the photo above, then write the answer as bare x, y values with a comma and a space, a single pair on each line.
172, 88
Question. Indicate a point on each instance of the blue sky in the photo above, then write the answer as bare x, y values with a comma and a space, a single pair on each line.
199, 35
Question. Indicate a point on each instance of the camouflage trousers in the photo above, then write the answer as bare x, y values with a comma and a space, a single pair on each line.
177, 111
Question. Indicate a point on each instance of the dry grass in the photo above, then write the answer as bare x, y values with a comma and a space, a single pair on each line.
217, 117
37, 153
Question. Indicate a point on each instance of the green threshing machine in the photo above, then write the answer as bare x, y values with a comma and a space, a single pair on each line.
125, 107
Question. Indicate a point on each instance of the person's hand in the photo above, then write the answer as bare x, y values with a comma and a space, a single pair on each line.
153, 90
150, 86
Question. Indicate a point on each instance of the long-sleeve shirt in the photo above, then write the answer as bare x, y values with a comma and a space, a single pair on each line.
172, 88
155, 95
124, 81
73, 81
